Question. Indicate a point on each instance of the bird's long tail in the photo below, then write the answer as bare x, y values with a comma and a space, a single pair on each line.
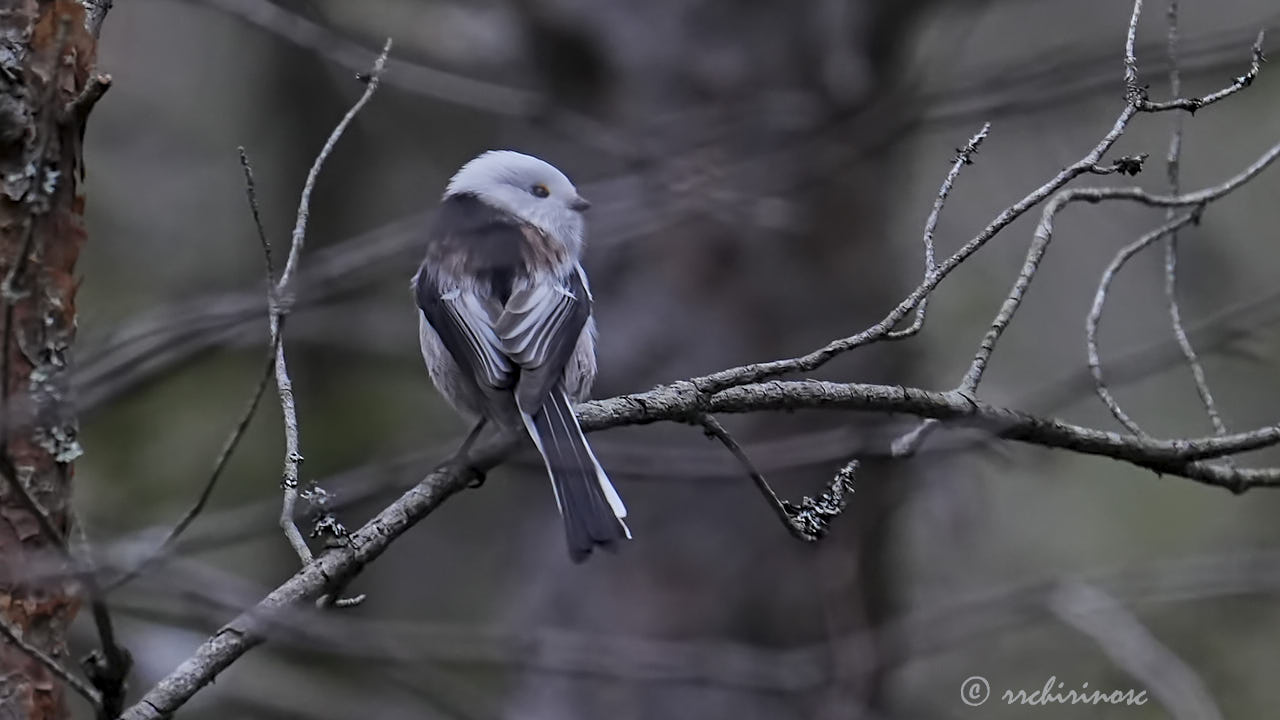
591, 508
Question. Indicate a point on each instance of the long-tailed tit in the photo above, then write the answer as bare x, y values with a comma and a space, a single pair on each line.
506, 326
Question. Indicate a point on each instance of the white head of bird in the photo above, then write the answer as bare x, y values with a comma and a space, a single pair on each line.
532, 190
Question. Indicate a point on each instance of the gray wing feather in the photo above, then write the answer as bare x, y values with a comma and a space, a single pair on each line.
532, 320
464, 327
539, 330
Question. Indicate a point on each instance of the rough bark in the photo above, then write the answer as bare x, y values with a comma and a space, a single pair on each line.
46, 56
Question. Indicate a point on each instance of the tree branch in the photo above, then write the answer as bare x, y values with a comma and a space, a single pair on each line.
1100, 299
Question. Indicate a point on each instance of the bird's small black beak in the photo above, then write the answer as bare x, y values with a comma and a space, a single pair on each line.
579, 204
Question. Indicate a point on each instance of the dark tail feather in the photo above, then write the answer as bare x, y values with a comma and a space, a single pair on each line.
591, 508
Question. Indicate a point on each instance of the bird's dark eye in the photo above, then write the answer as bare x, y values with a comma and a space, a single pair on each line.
540, 190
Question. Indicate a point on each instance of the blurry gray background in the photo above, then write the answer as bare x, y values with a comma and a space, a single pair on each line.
760, 173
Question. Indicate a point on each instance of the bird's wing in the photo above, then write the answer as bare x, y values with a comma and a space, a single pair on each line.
539, 329
462, 323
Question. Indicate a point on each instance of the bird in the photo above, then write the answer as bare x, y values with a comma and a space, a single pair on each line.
506, 326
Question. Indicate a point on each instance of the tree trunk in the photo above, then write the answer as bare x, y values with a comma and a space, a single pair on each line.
46, 56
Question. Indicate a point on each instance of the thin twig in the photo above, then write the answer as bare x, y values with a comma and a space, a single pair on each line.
964, 156
251, 194
1099, 301
280, 302
799, 523
1172, 162
1240, 83
14, 635
304, 204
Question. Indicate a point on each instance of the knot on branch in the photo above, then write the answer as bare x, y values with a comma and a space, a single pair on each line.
690, 399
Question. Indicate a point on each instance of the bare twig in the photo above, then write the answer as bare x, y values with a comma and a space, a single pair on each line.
1172, 162
73, 681
280, 302
283, 287
1100, 299
251, 194
806, 521
964, 156
1194, 104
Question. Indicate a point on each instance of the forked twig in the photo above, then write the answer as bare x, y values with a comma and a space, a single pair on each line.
964, 156
1099, 301
280, 301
